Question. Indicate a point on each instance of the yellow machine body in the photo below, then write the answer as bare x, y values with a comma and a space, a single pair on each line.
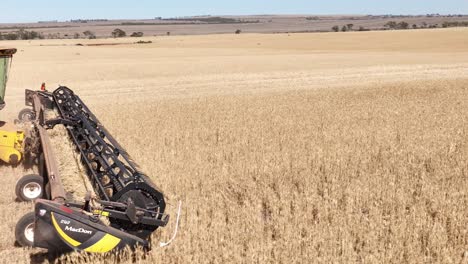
11, 146
11, 142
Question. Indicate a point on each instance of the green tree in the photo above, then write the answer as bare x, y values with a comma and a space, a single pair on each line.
336, 28
391, 25
10, 36
137, 34
89, 34
403, 25
118, 33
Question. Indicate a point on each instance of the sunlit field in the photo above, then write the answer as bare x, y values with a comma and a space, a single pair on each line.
302, 148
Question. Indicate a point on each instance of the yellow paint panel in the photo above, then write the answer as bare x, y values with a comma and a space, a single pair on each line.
107, 243
100, 212
70, 240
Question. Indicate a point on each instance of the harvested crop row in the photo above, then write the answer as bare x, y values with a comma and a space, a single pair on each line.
72, 173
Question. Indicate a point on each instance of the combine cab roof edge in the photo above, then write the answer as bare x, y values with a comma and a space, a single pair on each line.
7, 51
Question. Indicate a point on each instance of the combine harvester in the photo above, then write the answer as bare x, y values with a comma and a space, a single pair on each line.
126, 207
11, 141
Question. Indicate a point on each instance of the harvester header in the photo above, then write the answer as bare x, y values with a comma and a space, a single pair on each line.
128, 199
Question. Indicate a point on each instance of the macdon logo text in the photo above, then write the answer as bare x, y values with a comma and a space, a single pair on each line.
78, 230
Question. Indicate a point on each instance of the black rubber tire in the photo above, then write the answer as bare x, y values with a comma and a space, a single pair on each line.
14, 159
20, 229
26, 115
29, 179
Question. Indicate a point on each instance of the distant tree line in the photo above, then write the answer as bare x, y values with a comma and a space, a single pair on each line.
21, 34
119, 33
88, 20
211, 20
388, 25
397, 25
401, 25
348, 27
455, 24
425, 25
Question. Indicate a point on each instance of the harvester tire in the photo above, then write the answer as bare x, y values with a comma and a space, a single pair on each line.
14, 159
26, 115
24, 230
29, 188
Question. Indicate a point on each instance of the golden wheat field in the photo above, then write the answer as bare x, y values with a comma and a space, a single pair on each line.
301, 148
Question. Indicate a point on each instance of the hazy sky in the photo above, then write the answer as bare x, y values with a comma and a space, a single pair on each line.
34, 10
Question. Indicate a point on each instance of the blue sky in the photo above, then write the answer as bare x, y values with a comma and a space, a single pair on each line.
34, 10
